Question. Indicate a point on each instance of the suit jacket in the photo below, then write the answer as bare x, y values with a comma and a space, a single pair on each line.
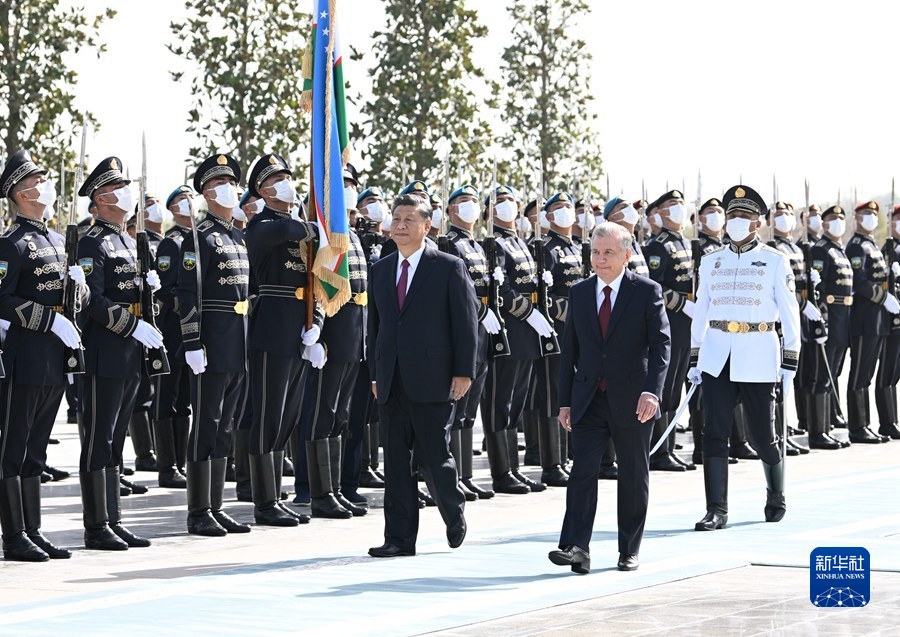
433, 338
632, 358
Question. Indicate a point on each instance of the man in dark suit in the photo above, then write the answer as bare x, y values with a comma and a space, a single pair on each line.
422, 336
615, 351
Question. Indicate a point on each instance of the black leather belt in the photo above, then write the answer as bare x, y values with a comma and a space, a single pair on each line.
741, 327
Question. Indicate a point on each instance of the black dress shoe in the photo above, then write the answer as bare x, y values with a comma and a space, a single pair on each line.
103, 539
608, 472
891, 431
712, 521
204, 524
127, 471
666, 463
58, 474
229, 523
171, 478
456, 533
554, 477
301, 518
471, 496
864, 436
743, 451
355, 498
732, 461
132, 540
138, 489
369, 480
425, 497
147, 463
821, 441
389, 550
20, 548
355, 509
791, 451
689, 466
627, 562
578, 559
46, 477
52, 441
481, 492
533, 486
508, 484
697, 457
796, 445
49, 547
775, 506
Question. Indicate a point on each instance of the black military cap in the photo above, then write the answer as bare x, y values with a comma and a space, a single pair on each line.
216, 166
265, 167
834, 210
531, 205
711, 203
19, 166
672, 194
108, 171
351, 174
779, 205
745, 199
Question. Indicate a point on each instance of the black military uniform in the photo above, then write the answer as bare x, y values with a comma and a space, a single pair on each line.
277, 246
870, 324
212, 290
671, 265
835, 298
889, 367
32, 266
172, 391
114, 366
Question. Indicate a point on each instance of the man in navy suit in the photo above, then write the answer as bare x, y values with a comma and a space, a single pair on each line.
615, 351
422, 337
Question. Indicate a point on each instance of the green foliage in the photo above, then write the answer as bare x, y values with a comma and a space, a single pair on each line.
246, 79
423, 91
546, 74
37, 89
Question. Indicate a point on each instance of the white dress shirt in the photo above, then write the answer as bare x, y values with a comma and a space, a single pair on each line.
413, 259
615, 285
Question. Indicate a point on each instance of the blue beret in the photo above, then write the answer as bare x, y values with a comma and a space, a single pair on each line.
560, 196
178, 191
500, 190
416, 186
610, 206
247, 194
465, 189
374, 191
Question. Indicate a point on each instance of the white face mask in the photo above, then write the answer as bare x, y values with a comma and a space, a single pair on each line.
897, 227
436, 216
586, 218
154, 213
545, 223
715, 221
259, 204
657, 220
386, 223
226, 195
48, 213
815, 223
785, 223
738, 229
564, 217
377, 210
646, 226
523, 225
631, 215
598, 220
349, 197
284, 190
237, 214
46, 193
467, 211
123, 200
677, 214
836, 227
868, 222
506, 211
184, 207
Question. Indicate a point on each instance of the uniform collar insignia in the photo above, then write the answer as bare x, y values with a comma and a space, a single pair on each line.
226, 224
40, 225
509, 232
744, 248
118, 228
462, 231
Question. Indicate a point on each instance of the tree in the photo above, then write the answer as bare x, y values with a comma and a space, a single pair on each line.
247, 81
37, 88
546, 70
423, 90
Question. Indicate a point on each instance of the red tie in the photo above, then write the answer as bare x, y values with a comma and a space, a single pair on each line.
402, 283
605, 311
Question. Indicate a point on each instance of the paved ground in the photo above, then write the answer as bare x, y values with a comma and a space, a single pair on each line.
751, 578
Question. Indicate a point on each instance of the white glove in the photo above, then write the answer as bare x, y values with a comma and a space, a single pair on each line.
147, 335
498, 275
891, 304
310, 336
815, 277
152, 279
76, 274
811, 312
4, 326
787, 383
548, 278
822, 340
895, 268
695, 376
491, 322
315, 354
66, 331
196, 360
689, 308
539, 324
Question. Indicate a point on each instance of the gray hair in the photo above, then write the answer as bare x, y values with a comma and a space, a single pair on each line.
422, 206
614, 230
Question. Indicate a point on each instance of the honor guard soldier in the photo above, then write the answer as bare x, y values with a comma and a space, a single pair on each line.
506, 387
212, 290
874, 305
889, 367
814, 223
835, 297
32, 268
623, 213
172, 391
278, 339
743, 289
114, 338
669, 260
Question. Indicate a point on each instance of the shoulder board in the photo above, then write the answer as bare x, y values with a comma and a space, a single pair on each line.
96, 231
769, 248
660, 238
11, 230
452, 234
820, 243
173, 234
206, 225
855, 239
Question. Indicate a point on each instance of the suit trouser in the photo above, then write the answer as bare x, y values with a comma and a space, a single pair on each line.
505, 393
424, 429
720, 395
889, 366
864, 351
172, 396
25, 426
108, 404
590, 436
332, 389
215, 398
276, 391
467, 406
362, 405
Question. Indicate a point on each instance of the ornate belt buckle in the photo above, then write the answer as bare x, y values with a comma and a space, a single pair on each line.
241, 307
734, 327
829, 299
763, 327
745, 327
300, 293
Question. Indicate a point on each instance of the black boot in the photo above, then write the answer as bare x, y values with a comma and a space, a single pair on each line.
512, 439
97, 534
218, 469
242, 488
530, 427
17, 546
181, 428
31, 510
169, 475
551, 470
266, 511
142, 439
456, 452
465, 470
114, 510
661, 460
498, 458
278, 462
715, 482
816, 419
696, 420
323, 504
829, 398
200, 520
775, 506
857, 423
335, 452
887, 412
